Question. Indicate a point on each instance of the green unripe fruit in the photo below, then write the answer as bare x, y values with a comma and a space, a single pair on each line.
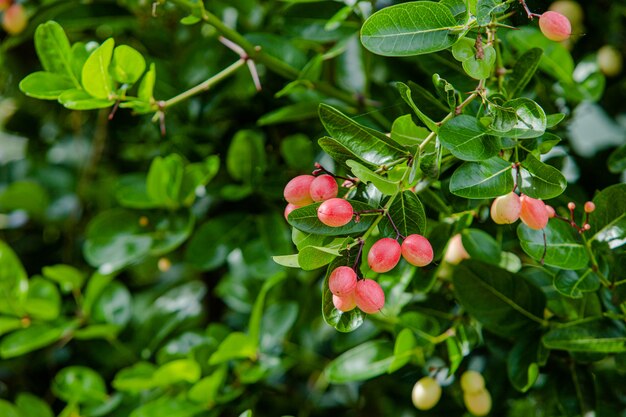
417, 250
569, 9
370, 297
609, 61
472, 382
342, 281
533, 213
426, 393
384, 255
478, 403
323, 188
297, 190
506, 209
555, 26
335, 212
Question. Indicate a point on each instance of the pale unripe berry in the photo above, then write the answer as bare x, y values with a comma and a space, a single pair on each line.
297, 190
288, 209
589, 207
551, 211
569, 9
533, 213
555, 26
472, 382
455, 252
426, 393
370, 297
506, 209
478, 403
335, 212
342, 281
14, 20
323, 187
345, 303
417, 250
164, 264
609, 61
384, 255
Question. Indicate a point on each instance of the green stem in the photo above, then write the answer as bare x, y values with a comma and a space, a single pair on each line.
594, 264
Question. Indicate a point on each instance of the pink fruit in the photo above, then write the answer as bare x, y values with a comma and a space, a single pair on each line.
297, 190
555, 26
288, 209
342, 281
417, 250
455, 252
4, 4
335, 212
505, 209
323, 187
589, 207
551, 212
345, 303
14, 20
369, 296
533, 213
384, 255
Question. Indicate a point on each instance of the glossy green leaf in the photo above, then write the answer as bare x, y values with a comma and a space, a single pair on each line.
406, 94
206, 390
340, 153
464, 49
313, 257
164, 180
297, 150
413, 28
293, 113
504, 303
408, 215
305, 219
97, 331
486, 9
79, 384
9, 410
254, 327
574, 283
81, 100
31, 405
610, 206
597, 336
407, 133
135, 378
617, 160
146, 87
113, 306
614, 233
25, 195
363, 362
446, 91
53, 50
368, 145
45, 85
481, 68
8, 324
95, 76
540, 180
481, 246
13, 280
366, 175
529, 121
32, 338
246, 159
466, 139
236, 346
127, 64
180, 370
403, 349
522, 363
166, 406
523, 71
563, 247
68, 277
344, 322
43, 300
486, 179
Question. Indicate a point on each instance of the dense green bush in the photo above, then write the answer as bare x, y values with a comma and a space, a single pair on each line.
147, 269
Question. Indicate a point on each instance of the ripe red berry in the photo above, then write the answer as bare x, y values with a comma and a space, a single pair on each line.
297, 190
384, 255
589, 207
14, 20
288, 209
345, 303
370, 297
335, 212
417, 250
555, 26
533, 213
342, 281
323, 187
506, 209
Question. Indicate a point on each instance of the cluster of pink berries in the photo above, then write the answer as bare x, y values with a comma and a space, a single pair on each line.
308, 189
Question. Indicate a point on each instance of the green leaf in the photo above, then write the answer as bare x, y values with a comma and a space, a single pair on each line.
464, 49
486, 179
344, 322
614, 234
180, 370
53, 50
610, 206
446, 91
617, 160
30, 405
79, 384
97, 331
563, 248
540, 180
237, 345
529, 120
405, 93
503, 302
9, 410
363, 362
297, 150
127, 65
164, 180
81, 100
481, 68
367, 145
206, 390
486, 8
481, 246
95, 76
340, 153
43, 300
574, 283
68, 277
113, 306
313, 257
166, 406
289, 261
32, 338
13, 278
407, 213
597, 336
146, 87
305, 219
363, 173
466, 139
523, 71
25, 195
197, 175
403, 349
45, 85
305, 110
246, 160
254, 328
135, 378
522, 363
413, 28
8, 324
